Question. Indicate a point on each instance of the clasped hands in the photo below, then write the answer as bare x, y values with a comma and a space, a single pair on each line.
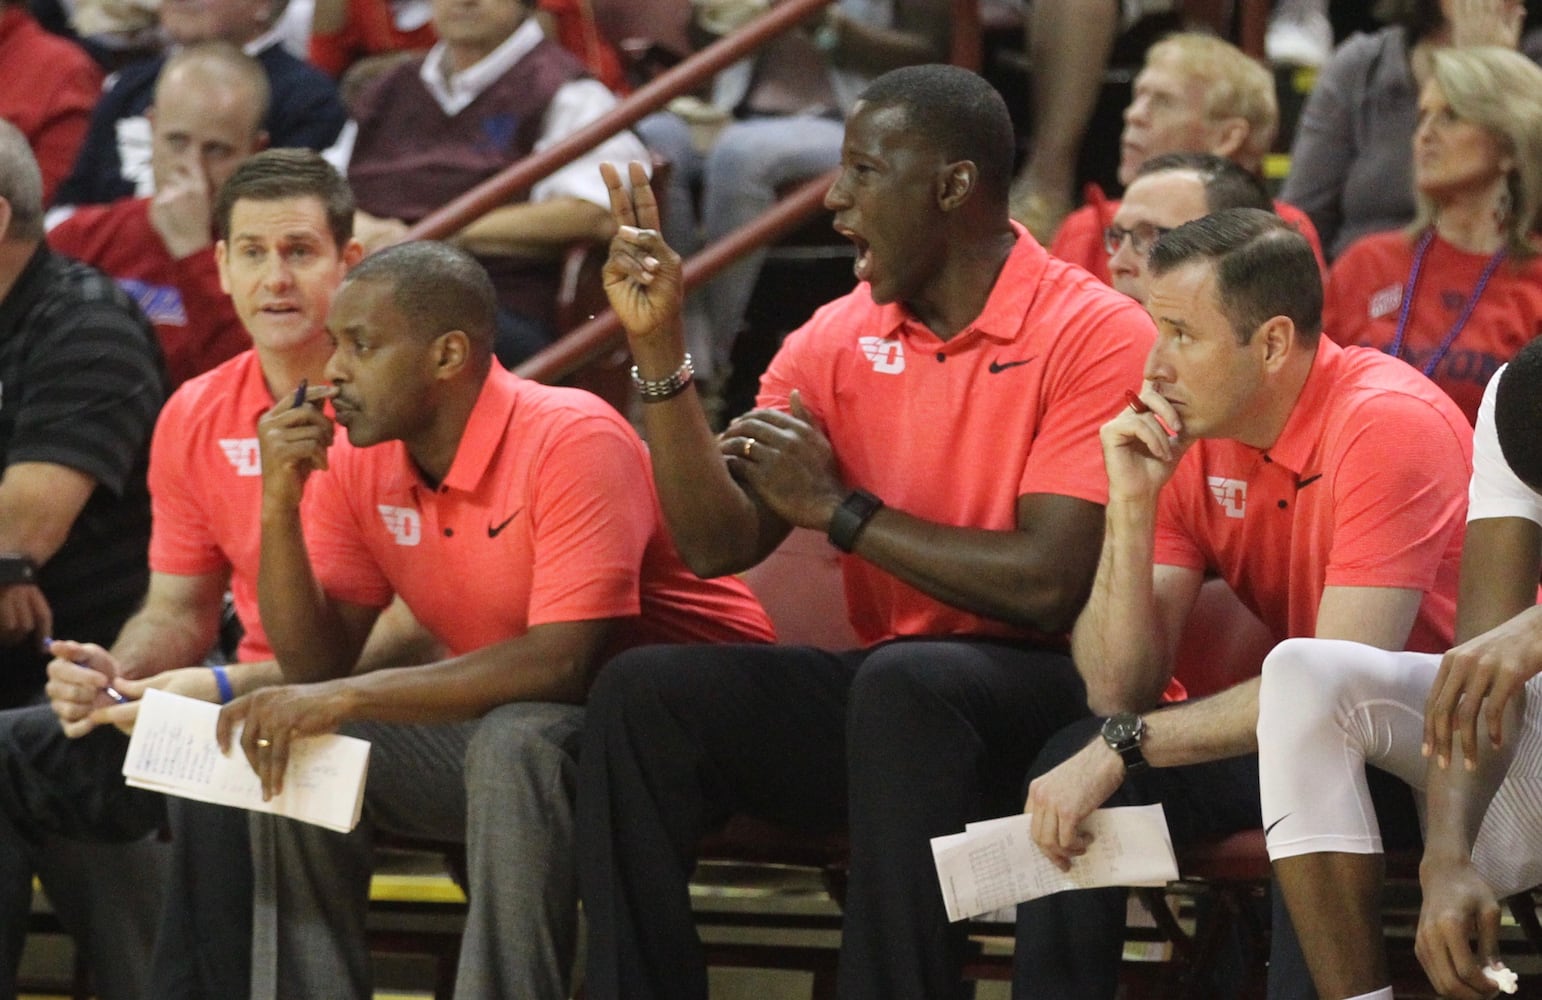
786, 460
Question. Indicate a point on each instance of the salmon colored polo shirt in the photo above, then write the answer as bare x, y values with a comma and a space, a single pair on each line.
206, 486
955, 432
1366, 487
548, 514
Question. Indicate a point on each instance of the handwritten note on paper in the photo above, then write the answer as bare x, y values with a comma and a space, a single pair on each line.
995, 863
173, 750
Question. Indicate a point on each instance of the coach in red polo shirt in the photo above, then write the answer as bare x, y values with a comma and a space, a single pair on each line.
518, 523
1325, 485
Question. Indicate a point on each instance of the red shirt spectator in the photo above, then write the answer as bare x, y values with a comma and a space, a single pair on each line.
51, 85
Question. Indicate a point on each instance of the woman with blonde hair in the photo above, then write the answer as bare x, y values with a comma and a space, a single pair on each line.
1459, 291
1349, 159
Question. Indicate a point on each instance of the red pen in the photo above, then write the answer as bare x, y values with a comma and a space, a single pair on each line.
1139, 406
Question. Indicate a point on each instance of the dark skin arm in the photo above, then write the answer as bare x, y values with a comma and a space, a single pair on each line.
313, 636
1484, 677
728, 509
555, 662
1499, 635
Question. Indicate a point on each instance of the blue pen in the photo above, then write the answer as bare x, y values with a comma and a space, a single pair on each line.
112, 692
299, 394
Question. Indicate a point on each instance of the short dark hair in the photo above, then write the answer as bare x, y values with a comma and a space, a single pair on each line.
437, 288
1518, 414
279, 174
1263, 268
960, 114
1227, 184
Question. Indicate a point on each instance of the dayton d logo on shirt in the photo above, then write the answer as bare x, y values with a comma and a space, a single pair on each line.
404, 523
887, 356
1231, 494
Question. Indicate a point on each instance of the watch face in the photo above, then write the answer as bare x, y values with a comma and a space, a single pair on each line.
1123, 728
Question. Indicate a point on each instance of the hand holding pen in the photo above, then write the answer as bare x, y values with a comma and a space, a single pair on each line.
82, 680
293, 438
1141, 446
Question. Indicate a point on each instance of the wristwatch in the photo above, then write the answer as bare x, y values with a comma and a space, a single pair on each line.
1123, 733
851, 517
16, 568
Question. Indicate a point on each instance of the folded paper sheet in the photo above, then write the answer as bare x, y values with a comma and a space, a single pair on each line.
173, 750
995, 863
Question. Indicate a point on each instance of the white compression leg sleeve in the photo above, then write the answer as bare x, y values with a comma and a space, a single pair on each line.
1327, 708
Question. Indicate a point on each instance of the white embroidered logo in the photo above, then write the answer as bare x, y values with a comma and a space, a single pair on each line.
1385, 301
243, 455
1231, 494
403, 523
887, 356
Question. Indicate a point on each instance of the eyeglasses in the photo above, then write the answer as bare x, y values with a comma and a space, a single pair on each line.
1141, 237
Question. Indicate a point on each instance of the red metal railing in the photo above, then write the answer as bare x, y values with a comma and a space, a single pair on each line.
601, 334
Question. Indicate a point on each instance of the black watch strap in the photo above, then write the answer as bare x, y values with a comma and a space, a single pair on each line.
1123, 734
851, 517
16, 568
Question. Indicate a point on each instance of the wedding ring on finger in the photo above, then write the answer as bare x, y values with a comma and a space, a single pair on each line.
749, 446
264, 743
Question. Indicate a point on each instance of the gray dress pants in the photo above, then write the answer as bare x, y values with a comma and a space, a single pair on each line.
504, 785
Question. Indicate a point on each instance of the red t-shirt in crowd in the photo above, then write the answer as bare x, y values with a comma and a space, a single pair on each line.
194, 320
1365, 296
48, 86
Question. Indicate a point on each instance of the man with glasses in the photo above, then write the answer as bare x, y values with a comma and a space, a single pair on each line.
1167, 191
1195, 94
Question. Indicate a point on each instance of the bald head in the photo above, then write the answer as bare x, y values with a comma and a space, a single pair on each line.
21, 188
210, 102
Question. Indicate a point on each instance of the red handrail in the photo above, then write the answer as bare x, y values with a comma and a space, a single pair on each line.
691, 73
601, 334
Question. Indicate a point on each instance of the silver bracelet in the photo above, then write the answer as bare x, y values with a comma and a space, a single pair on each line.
656, 390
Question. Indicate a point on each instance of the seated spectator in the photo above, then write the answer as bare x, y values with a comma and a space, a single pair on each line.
575, 564
210, 101
345, 31
1267, 454
493, 90
1349, 166
303, 108
1070, 43
1195, 94
1167, 191
958, 580
82, 385
113, 32
573, 25
778, 119
51, 85
1459, 291
1333, 713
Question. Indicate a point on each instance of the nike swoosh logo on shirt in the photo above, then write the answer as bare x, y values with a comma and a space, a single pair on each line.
1276, 823
1309, 480
492, 532
996, 367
